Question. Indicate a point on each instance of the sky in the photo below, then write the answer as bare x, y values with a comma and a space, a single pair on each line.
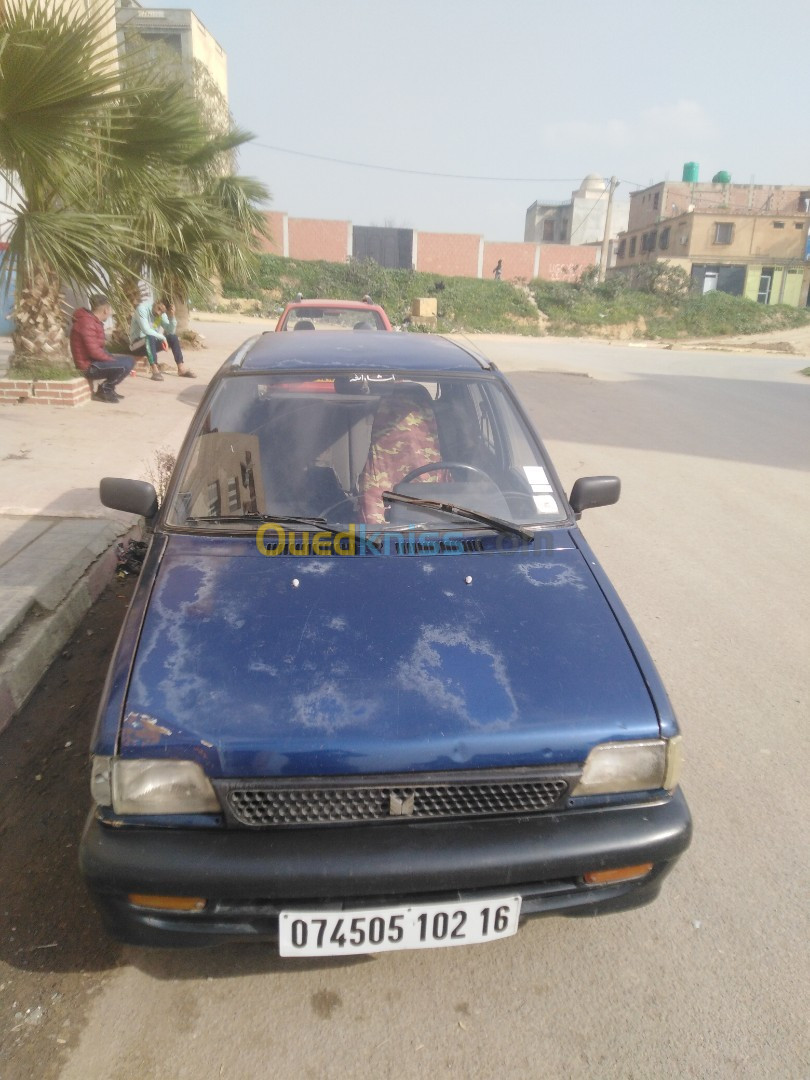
529, 95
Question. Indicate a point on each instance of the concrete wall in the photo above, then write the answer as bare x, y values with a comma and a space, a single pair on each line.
209, 52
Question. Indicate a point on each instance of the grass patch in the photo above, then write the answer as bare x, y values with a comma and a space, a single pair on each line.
464, 304
580, 308
41, 369
662, 309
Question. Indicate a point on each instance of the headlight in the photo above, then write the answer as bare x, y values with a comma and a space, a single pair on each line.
631, 766
147, 786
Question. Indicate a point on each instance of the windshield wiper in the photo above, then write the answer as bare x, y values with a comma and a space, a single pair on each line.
319, 523
282, 519
461, 511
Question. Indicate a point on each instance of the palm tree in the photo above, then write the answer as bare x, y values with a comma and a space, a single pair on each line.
57, 78
111, 176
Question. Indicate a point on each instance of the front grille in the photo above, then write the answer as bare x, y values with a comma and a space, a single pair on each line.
265, 803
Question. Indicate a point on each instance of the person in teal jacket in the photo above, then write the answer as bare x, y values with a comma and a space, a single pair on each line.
153, 328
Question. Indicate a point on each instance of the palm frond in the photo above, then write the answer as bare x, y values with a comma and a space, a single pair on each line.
80, 247
57, 73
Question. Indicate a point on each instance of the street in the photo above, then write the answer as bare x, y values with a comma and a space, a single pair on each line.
708, 548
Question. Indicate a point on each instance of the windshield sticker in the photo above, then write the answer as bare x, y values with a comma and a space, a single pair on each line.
545, 504
537, 478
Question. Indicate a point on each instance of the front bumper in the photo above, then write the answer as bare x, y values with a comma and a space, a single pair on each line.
247, 877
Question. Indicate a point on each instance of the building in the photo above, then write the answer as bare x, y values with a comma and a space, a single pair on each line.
580, 220
749, 240
178, 33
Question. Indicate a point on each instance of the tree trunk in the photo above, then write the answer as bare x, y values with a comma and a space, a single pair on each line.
125, 298
177, 294
39, 336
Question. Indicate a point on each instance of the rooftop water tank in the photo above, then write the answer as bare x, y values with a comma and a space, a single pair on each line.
690, 172
721, 177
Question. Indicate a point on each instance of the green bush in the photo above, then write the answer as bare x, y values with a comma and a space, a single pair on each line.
659, 308
464, 304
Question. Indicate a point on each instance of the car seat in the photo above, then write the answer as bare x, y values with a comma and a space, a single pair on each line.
404, 435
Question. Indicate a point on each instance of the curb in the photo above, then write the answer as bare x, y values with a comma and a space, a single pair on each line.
35, 644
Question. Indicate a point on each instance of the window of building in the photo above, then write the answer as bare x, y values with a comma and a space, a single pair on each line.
648, 241
234, 502
798, 224
723, 232
656, 200
632, 245
621, 250
548, 230
663, 239
779, 224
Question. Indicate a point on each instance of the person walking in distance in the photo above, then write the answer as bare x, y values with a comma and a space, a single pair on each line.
154, 328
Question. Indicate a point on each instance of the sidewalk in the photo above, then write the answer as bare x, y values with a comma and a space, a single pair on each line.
57, 542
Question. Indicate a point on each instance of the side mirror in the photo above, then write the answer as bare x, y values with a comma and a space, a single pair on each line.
590, 491
131, 496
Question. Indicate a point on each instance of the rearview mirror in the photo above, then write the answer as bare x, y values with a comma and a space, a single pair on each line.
590, 491
131, 496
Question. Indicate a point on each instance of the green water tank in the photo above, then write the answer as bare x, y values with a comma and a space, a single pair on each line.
690, 172
721, 177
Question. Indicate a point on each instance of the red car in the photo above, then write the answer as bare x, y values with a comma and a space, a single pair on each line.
333, 315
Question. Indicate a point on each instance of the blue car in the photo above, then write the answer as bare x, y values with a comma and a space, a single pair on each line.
373, 690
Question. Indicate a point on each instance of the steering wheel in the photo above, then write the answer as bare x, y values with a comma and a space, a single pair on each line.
436, 465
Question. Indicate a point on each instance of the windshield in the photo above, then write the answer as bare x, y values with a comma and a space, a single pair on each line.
312, 317
326, 449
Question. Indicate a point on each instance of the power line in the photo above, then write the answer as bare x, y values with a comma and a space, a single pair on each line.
424, 172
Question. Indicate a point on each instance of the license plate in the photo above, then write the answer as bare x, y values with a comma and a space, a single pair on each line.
419, 926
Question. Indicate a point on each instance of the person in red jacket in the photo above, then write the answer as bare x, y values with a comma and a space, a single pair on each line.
88, 346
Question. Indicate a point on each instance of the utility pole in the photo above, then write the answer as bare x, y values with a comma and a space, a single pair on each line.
614, 183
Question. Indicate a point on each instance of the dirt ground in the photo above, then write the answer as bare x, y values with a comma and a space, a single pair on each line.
53, 951
795, 341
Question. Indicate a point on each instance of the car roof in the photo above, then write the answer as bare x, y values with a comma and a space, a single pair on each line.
352, 305
325, 349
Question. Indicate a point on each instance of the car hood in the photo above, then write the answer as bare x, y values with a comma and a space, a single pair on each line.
283, 666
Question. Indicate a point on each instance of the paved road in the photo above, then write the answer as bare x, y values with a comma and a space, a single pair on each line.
709, 549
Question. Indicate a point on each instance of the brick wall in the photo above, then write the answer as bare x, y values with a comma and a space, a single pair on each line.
71, 392
14, 390
275, 245
448, 254
565, 262
518, 260
453, 254
311, 238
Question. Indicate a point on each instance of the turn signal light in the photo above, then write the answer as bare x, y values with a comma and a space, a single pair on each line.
168, 903
623, 873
